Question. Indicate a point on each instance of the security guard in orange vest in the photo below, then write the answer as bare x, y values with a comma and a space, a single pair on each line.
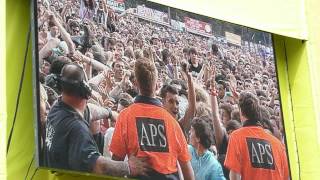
146, 129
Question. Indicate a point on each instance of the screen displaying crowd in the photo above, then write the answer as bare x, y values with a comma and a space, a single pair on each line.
202, 81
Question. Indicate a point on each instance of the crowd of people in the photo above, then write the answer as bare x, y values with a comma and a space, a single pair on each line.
123, 96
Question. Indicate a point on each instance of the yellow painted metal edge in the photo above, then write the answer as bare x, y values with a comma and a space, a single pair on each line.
296, 69
21, 157
3, 111
286, 103
21, 148
313, 53
301, 85
285, 17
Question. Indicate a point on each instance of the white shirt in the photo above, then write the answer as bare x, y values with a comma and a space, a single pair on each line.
107, 141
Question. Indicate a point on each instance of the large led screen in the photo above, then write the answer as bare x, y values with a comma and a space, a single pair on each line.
131, 88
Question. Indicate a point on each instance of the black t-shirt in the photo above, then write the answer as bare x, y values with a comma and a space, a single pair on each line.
69, 143
195, 70
222, 154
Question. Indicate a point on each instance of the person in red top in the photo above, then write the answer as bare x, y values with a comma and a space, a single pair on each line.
252, 152
146, 129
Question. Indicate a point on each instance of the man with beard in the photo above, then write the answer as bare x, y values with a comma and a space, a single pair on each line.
122, 79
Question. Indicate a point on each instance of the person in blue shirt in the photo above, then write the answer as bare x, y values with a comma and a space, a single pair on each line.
204, 163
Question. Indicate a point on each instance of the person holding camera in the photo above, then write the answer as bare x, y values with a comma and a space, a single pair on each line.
69, 144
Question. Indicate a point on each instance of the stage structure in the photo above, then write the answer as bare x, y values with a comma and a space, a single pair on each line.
294, 25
